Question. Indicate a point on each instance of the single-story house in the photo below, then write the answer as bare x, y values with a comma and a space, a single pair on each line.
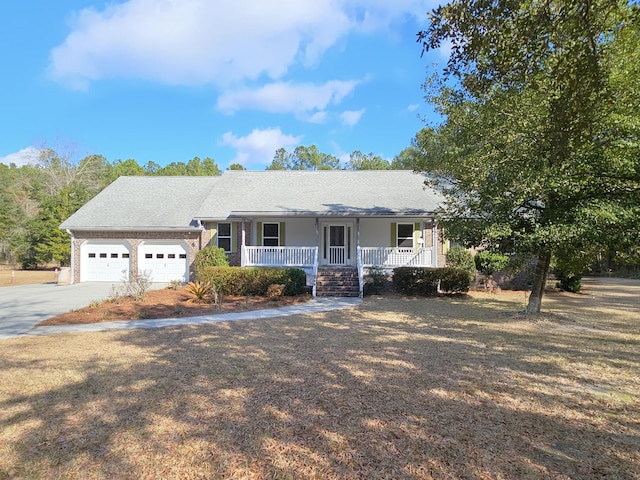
321, 221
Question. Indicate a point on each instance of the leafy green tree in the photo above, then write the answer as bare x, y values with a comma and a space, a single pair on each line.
236, 166
152, 168
281, 160
127, 167
407, 159
47, 242
303, 158
539, 151
194, 168
360, 161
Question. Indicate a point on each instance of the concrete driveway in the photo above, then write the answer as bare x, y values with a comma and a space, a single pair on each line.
24, 306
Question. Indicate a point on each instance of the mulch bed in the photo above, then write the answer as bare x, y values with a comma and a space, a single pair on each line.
167, 303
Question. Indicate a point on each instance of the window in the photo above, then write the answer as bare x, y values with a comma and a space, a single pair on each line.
171, 256
103, 255
405, 235
270, 234
125, 255
224, 236
92, 255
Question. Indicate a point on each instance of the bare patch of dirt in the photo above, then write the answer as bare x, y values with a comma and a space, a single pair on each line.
167, 303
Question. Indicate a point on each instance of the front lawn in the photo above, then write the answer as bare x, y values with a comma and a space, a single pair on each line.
398, 388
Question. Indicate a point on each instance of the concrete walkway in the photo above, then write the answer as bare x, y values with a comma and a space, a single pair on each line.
23, 307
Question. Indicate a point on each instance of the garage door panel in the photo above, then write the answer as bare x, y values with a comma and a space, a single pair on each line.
105, 262
164, 262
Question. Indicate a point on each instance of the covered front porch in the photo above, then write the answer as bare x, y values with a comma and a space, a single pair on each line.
359, 243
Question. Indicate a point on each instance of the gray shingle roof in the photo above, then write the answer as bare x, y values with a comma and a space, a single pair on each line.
176, 203
144, 203
321, 193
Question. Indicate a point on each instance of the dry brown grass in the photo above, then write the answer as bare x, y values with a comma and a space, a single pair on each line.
397, 388
24, 277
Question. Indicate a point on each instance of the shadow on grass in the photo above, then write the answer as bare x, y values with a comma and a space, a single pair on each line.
398, 388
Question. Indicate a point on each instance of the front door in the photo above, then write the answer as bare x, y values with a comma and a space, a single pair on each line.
337, 244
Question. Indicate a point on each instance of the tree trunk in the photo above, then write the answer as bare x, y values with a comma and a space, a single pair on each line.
539, 282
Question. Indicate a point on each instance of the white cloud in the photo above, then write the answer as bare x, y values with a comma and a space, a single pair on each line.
257, 149
26, 156
351, 117
286, 97
195, 42
413, 107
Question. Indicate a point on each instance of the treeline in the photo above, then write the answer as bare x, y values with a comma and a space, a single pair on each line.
36, 199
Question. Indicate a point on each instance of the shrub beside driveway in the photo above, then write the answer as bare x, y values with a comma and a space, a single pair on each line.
397, 388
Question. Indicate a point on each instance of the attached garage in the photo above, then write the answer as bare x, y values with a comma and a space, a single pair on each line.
105, 262
164, 261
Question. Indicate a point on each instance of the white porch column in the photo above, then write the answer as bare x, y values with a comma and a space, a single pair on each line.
317, 226
434, 233
243, 252
357, 232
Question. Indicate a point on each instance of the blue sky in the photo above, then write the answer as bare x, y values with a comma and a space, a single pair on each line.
167, 80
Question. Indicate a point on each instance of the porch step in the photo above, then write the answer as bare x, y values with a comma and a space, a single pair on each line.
337, 282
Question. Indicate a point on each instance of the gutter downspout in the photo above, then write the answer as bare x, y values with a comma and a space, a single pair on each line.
73, 259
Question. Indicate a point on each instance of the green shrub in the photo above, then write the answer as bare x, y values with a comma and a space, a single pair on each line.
253, 281
569, 282
461, 259
425, 281
454, 280
211, 256
416, 281
202, 292
488, 262
374, 282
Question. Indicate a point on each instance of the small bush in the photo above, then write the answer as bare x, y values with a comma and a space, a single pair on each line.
461, 259
211, 256
202, 292
135, 286
253, 281
488, 262
425, 281
569, 282
374, 282
416, 281
453, 280
275, 291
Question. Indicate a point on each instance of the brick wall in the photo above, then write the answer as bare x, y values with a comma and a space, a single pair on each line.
194, 240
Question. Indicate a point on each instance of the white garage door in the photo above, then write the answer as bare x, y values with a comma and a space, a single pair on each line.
105, 262
164, 262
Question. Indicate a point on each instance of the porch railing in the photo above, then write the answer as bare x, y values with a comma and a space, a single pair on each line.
279, 256
396, 257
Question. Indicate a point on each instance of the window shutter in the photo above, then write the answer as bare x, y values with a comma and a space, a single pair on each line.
394, 235
214, 234
259, 234
234, 237
416, 235
281, 234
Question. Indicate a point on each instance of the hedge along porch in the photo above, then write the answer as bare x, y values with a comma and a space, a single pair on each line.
310, 243
315, 220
